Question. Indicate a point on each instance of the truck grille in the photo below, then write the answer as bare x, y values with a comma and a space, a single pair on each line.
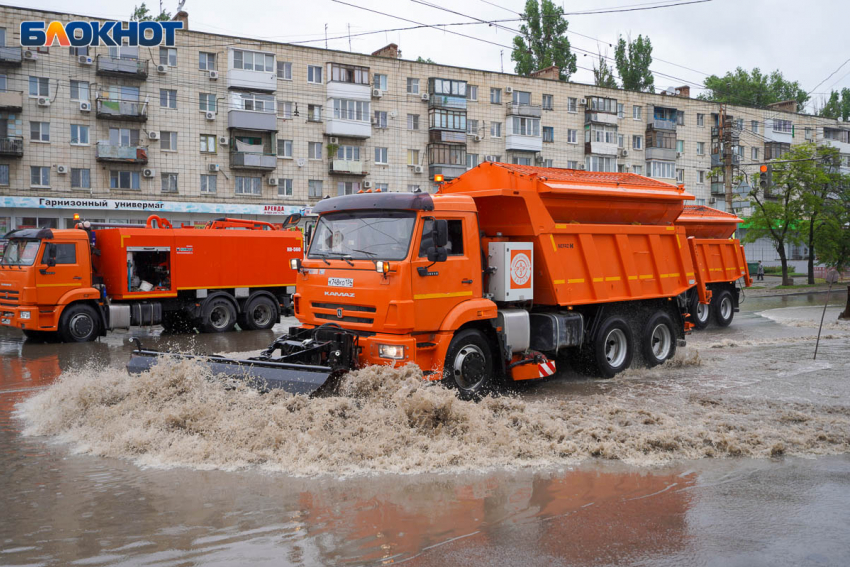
9, 298
345, 318
335, 306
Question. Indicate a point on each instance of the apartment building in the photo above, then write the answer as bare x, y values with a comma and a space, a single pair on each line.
224, 125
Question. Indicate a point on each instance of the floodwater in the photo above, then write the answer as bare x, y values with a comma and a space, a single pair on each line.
736, 454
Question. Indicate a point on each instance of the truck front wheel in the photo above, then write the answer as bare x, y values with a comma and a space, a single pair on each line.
260, 313
219, 316
613, 347
469, 365
79, 324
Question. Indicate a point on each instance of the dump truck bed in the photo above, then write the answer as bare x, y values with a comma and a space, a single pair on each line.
706, 222
719, 260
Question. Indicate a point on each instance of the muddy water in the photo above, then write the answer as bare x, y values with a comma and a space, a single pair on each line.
643, 469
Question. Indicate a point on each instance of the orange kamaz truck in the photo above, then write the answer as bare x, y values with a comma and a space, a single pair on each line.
502, 273
79, 283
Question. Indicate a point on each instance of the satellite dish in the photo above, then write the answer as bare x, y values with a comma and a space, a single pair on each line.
300, 162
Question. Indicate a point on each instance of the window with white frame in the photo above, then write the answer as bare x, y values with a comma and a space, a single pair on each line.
739, 124
314, 113
680, 146
168, 98
680, 175
314, 150
206, 102
79, 90
381, 156
495, 96
754, 126
356, 110
284, 70
123, 137
495, 129
169, 183
412, 188
521, 97
700, 120
347, 187
253, 61
637, 169
168, 56
206, 61
209, 183
621, 110
572, 136
601, 133
600, 163
808, 133
284, 148
472, 92
248, 185
572, 104
621, 141
637, 112
661, 169
40, 131
548, 102
256, 102
379, 81
603, 104
472, 127
412, 157
124, 180
412, 86
284, 109
284, 187
39, 86
314, 74
782, 125
380, 121
471, 160
382, 187
348, 153
548, 163
413, 122
548, 134
637, 141
124, 52
80, 178
701, 177
168, 141
571, 164
208, 143
754, 153
521, 160
526, 126
314, 188
79, 135
700, 148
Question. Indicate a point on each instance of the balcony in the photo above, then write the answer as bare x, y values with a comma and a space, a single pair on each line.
447, 171
783, 134
11, 56
667, 154
348, 128
104, 151
129, 110
246, 160
252, 120
445, 101
12, 101
527, 143
523, 110
600, 117
446, 136
123, 68
601, 148
660, 124
347, 167
839, 141
12, 146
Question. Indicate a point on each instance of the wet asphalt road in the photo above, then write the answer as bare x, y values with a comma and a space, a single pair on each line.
63, 509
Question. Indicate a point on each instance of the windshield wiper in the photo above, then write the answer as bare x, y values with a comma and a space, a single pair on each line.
322, 256
342, 256
370, 254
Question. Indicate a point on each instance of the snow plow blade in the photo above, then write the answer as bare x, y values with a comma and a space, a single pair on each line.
264, 375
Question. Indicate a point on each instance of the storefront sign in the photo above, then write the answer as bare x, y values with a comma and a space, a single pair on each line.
145, 206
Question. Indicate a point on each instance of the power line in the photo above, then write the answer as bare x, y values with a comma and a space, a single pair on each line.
830, 76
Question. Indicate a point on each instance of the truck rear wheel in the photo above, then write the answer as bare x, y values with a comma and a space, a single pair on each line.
700, 314
259, 313
219, 316
79, 324
724, 308
469, 365
658, 339
613, 347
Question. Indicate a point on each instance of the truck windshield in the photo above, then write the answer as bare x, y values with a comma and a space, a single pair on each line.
363, 235
20, 252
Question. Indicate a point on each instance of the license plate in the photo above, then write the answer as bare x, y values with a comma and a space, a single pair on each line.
341, 282
6, 321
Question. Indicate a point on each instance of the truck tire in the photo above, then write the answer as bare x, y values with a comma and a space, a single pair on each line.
79, 324
723, 307
219, 316
700, 314
260, 313
613, 347
658, 339
469, 365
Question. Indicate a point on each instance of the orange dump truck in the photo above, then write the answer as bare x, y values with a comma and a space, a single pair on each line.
719, 260
79, 283
503, 272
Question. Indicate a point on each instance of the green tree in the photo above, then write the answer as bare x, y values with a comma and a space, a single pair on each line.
603, 74
833, 238
753, 88
837, 105
633, 59
421, 60
543, 40
142, 14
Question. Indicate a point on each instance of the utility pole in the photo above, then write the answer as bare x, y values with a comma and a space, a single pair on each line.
349, 38
326, 36
726, 137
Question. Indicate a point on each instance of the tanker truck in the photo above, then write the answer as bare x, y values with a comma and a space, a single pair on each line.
503, 273
77, 284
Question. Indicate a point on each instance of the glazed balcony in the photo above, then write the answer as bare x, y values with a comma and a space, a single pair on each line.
347, 167
246, 160
11, 56
11, 101
104, 151
128, 110
122, 68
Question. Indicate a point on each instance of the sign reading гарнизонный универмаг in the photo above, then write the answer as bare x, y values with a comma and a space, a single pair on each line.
144, 205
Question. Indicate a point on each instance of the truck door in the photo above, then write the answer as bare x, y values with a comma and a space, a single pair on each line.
70, 271
440, 287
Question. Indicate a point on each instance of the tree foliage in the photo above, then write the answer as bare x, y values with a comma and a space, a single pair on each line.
837, 105
603, 74
633, 59
753, 88
142, 14
543, 40
421, 60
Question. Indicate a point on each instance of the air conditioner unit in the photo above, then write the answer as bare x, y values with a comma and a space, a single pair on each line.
30, 55
418, 169
153, 135
424, 97
538, 157
509, 90
43, 101
223, 140
213, 75
712, 200
582, 102
478, 137
148, 172
377, 93
393, 113
374, 121
213, 167
210, 115
272, 181
678, 154
301, 162
85, 106
367, 184
624, 153
61, 169
491, 158
580, 167
85, 60
334, 141
162, 68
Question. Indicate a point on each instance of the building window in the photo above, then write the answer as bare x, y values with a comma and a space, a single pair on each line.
347, 187
412, 86
357, 110
600, 163
495, 129
73, 51
284, 71
472, 127
314, 113
548, 163
621, 141
40, 131
778, 125
447, 154
123, 137
39, 86
208, 142
314, 150
381, 156
256, 102
472, 92
284, 109
548, 134
168, 56
284, 187
348, 153
662, 169
284, 148
124, 180
572, 104
517, 160
168, 98
254, 61
412, 157
79, 90
496, 96
739, 124
206, 61
739, 150
522, 97
637, 169
379, 81
754, 153
680, 118
380, 120
4, 174
169, 183
680, 175
382, 187
680, 146
447, 87
168, 141
413, 122
314, 74
636, 112
348, 74
79, 134
621, 110
314, 188
548, 102
572, 136
248, 185
412, 188
754, 126
471, 160
206, 102
80, 178
124, 52
493, 159
700, 120
209, 183
446, 119
700, 148
808, 133
602, 104
700, 177
637, 141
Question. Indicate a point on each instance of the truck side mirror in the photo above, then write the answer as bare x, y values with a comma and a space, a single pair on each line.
437, 254
440, 233
292, 220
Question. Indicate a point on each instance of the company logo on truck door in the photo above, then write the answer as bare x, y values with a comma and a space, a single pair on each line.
520, 269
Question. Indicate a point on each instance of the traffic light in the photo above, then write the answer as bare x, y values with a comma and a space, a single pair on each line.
765, 174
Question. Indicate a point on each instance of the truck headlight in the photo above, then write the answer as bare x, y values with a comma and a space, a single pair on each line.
24, 314
391, 351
